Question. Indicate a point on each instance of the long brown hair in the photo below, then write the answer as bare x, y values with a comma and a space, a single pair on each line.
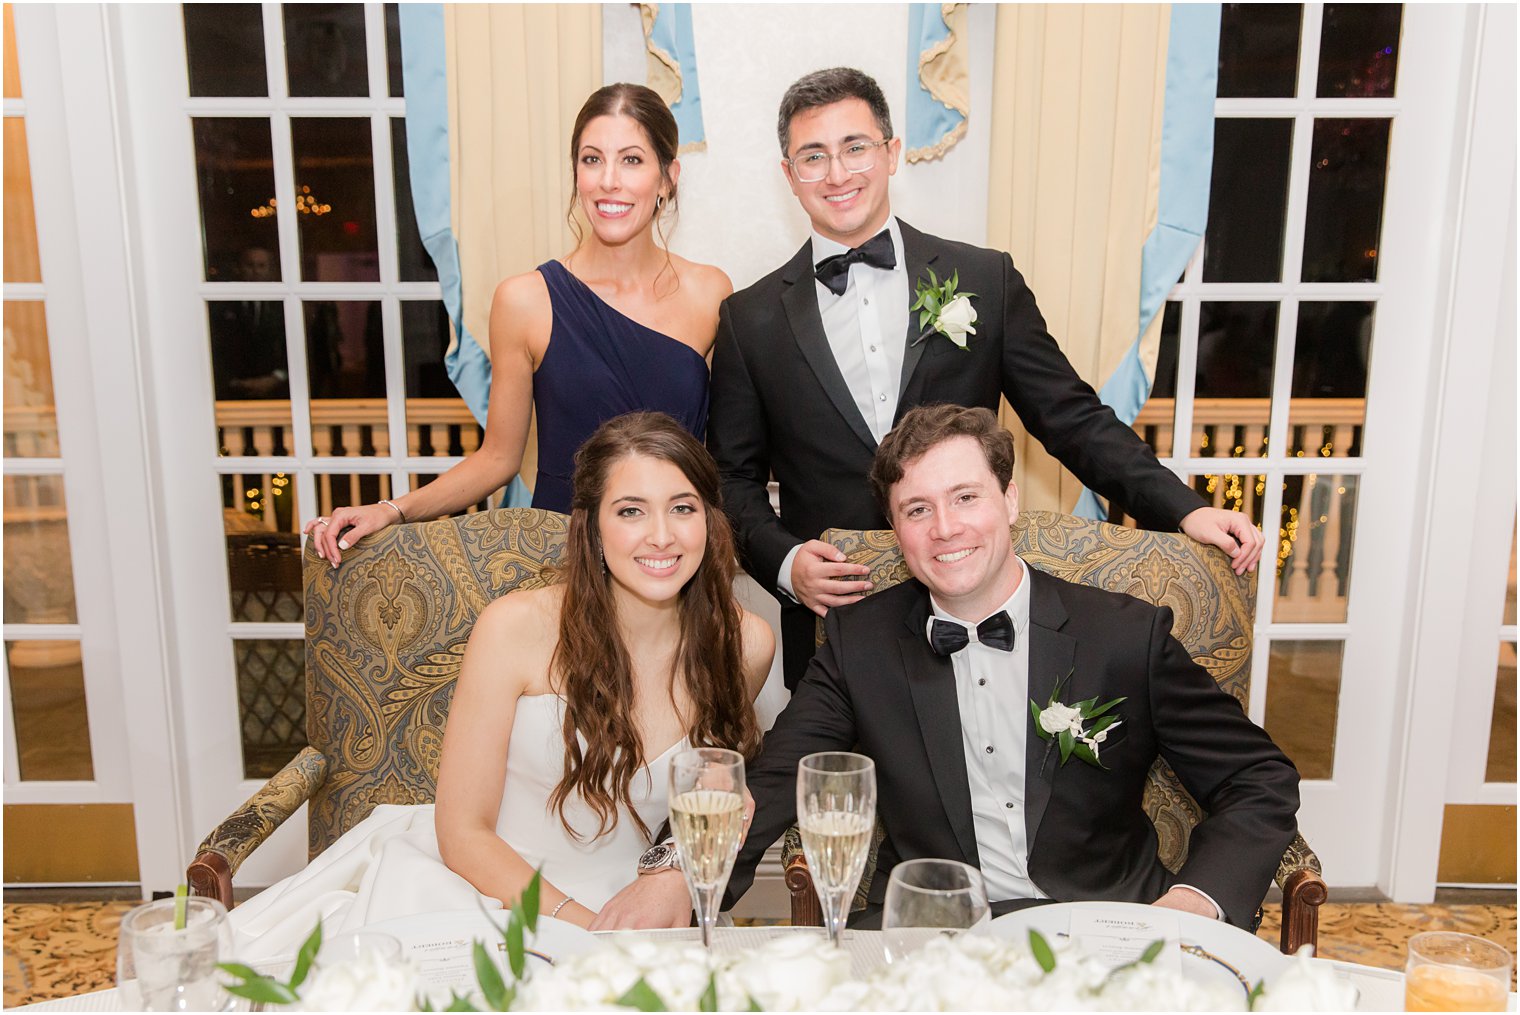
591, 665
645, 107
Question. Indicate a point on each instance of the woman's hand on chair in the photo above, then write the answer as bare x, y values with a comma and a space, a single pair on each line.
332, 534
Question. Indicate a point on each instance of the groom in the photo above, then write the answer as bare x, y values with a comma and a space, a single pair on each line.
933, 680
814, 363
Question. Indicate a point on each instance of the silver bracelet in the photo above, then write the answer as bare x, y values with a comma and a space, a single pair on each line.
393, 507
562, 904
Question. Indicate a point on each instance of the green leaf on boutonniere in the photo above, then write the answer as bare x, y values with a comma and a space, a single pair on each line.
1034, 713
1040, 948
1068, 744
1101, 725
1104, 708
1084, 752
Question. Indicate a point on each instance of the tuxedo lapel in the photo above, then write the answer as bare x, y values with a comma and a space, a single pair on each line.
801, 303
1050, 660
918, 255
931, 681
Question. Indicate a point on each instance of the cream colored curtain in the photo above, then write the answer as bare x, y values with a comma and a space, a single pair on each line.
518, 74
1077, 99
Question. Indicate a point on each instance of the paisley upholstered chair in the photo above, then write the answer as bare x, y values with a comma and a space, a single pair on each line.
385, 634
1213, 608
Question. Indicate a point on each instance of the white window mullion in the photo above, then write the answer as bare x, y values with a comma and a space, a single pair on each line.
1187, 373
1308, 55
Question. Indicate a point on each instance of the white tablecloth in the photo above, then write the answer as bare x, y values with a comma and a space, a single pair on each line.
1380, 989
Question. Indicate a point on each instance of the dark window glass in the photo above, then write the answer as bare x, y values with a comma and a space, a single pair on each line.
1344, 219
335, 199
1235, 349
224, 49
1314, 549
1303, 703
1165, 385
415, 263
345, 349
324, 49
52, 725
1248, 200
1258, 50
424, 340
248, 351
234, 167
263, 551
1331, 353
271, 678
1359, 50
38, 564
393, 49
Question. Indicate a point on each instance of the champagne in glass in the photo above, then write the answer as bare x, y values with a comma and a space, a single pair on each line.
707, 820
929, 898
836, 814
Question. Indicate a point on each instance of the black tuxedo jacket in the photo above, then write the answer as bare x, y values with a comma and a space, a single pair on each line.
876, 687
780, 404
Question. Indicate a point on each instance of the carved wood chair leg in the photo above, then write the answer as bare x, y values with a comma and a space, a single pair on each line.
806, 911
1303, 894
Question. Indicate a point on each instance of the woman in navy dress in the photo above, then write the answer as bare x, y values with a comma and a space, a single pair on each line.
618, 325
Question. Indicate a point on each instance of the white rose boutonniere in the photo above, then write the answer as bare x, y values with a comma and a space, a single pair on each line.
1068, 725
941, 308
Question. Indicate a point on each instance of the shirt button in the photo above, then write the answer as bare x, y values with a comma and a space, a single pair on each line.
873, 348
989, 748
882, 397
982, 681
866, 302
1009, 805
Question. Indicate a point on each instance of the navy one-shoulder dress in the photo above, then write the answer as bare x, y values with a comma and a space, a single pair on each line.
600, 364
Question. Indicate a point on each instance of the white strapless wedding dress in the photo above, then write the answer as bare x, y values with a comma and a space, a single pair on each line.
389, 866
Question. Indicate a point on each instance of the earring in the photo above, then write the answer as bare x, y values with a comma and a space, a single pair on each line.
602, 558
659, 202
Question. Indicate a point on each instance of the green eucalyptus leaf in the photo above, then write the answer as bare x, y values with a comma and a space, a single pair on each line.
264, 990
517, 957
641, 997
530, 897
754, 1005
489, 978
1041, 949
306, 955
1255, 995
458, 1003
1151, 951
239, 970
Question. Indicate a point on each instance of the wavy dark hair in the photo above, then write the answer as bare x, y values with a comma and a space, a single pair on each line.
591, 664
645, 107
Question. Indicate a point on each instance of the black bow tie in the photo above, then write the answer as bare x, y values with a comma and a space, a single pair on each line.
996, 631
834, 272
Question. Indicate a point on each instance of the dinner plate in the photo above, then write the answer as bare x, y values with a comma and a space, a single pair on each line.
441, 945
1212, 950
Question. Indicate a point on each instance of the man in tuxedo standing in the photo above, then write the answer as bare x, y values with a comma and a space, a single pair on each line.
933, 680
815, 362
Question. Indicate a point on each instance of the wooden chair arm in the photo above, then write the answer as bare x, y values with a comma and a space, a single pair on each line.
1299, 875
222, 852
806, 910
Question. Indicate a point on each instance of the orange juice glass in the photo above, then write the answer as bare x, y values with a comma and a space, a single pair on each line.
1455, 972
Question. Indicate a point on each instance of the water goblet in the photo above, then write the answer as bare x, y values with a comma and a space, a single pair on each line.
836, 814
707, 820
160, 968
929, 898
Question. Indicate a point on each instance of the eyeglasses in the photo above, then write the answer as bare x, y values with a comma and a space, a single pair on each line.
857, 157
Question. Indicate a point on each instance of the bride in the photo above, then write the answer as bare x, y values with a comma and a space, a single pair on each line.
571, 703
573, 699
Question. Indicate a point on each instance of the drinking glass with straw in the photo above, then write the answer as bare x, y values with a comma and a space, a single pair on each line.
167, 952
707, 820
836, 814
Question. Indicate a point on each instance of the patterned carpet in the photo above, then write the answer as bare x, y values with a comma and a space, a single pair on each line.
55, 950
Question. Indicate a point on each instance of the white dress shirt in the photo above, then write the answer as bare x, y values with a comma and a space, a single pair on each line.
867, 329
992, 692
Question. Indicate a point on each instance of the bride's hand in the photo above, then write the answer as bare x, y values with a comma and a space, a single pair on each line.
650, 902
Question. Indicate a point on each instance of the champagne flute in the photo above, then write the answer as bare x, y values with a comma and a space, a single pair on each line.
836, 814
927, 898
707, 820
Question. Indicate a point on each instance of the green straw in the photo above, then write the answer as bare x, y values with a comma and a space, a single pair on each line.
181, 898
